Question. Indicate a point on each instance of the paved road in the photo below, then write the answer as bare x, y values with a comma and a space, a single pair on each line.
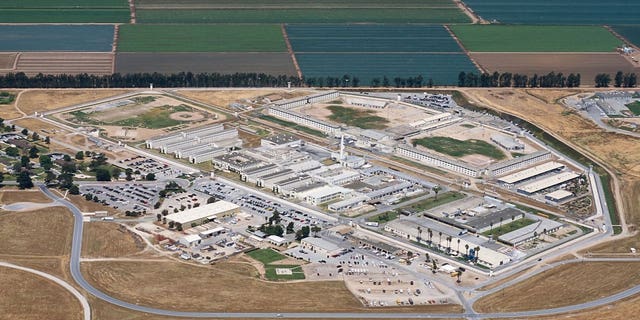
79, 278
86, 309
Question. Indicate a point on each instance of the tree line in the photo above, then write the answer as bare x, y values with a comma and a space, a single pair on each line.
508, 79
621, 80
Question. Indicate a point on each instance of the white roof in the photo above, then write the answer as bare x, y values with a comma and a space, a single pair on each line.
321, 243
212, 231
192, 238
559, 194
549, 182
527, 232
204, 211
531, 172
276, 239
325, 191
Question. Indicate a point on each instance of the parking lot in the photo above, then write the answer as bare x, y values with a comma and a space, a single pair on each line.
146, 165
125, 196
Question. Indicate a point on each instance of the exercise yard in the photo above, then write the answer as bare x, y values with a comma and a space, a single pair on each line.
460, 148
365, 119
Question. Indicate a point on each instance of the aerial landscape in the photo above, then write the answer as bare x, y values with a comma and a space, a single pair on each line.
253, 159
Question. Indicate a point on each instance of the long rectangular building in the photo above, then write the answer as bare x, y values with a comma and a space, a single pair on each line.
304, 120
532, 172
504, 167
547, 182
217, 210
437, 161
314, 98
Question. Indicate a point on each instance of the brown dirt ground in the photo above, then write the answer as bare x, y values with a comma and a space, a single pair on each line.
501, 281
564, 285
45, 100
7, 60
187, 287
222, 98
89, 206
109, 240
9, 111
29, 296
13, 196
98, 63
588, 65
45, 232
38, 125
621, 310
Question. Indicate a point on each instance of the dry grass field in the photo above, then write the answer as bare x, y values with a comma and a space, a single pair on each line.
13, 196
109, 240
562, 286
182, 286
45, 100
29, 296
621, 310
9, 111
45, 232
89, 206
222, 98
41, 127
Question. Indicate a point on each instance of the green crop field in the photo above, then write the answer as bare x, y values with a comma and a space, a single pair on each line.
631, 33
634, 107
266, 256
201, 38
159, 4
365, 119
460, 148
353, 15
64, 15
515, 38
71, 4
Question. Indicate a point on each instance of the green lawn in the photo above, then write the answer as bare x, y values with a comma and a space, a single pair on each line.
201, 38
365, 119
309, 15
507, 227
634, 107
266, 256
460, 148
270, 272
433, 202
383, 217
521, 38
293, 125
154, 118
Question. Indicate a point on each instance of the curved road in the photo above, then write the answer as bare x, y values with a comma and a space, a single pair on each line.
83, 301
79, 278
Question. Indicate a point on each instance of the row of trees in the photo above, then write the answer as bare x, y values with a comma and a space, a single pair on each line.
621, 80
508, 79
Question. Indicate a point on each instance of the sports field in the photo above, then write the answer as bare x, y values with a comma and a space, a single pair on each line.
515, 38
460, 148
566, 12
84, 38
442, 68
201, 38
365, 119
310, 15
370, 38
631, 33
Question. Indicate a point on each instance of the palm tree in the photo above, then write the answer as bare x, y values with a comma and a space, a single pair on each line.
458, 249
466, 249
419, 233
513, 218
477, 253
491, 225
430, 235
449, 244
501, 218
440, 239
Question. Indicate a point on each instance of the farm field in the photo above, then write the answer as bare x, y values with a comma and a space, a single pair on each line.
29, 296
517, 38
201, 38
365, 119
275, 63
564, 285
459, 148
566, 12
588, 65
7, 60
320, 15
32, 63
82, 38
221, 4
72, 4
190, 289
371, 38
442, 68
56, 15
631, 33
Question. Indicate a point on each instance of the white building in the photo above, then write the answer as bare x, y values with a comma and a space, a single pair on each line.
437, 161
321, 246
195, 216
323, 194
304, 120
504, 167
